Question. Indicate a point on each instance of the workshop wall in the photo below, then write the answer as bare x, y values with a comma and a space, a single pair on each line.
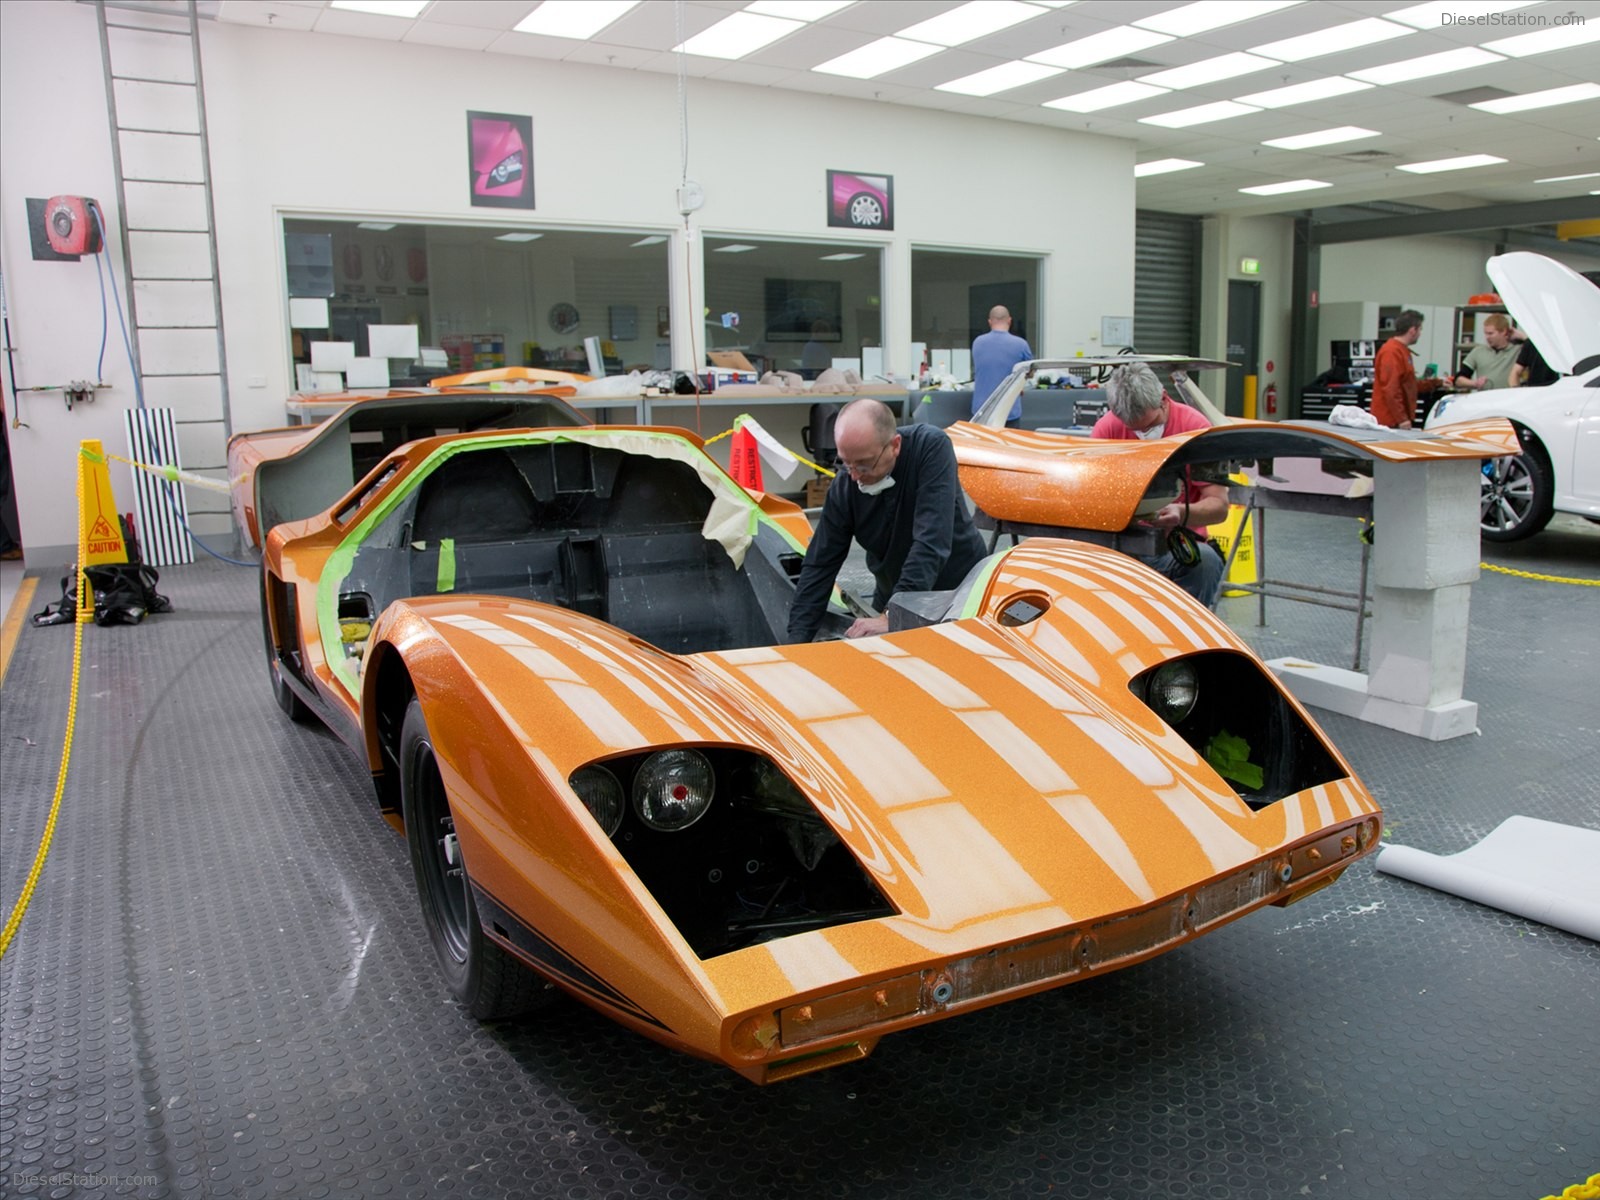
306, 124
1441, 271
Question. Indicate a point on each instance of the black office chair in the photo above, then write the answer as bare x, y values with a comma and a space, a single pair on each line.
817, 437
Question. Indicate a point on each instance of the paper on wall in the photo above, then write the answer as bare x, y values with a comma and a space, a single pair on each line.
308, 313
332, 356
393, 341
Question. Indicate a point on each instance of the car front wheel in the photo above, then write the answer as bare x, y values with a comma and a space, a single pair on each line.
865, 211
488, 981
1516, 498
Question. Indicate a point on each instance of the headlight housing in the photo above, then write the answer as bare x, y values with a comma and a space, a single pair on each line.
673, 789
1172, 690
601, 794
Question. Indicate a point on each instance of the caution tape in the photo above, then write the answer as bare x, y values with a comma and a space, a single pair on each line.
818, 468
178, 475
1580, 1191
1543, 578
84, 616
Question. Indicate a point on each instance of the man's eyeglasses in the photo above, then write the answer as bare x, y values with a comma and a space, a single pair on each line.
864, 468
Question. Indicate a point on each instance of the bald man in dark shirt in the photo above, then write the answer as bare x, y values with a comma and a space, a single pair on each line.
897, 494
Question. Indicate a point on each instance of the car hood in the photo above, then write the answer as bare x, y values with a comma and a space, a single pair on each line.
988, 779
1559, 308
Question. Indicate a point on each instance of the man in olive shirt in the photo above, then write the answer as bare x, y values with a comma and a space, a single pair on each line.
1489, 366
897, 494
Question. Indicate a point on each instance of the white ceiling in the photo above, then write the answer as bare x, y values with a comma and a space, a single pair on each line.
1415, 124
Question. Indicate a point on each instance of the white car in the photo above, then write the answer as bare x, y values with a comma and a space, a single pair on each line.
1559, 424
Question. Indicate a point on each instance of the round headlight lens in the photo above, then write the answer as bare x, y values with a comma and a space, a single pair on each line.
1174, 689
673, 789
601, 794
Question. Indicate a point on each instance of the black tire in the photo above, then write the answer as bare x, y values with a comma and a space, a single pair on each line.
1517, 498
294, 707
865, 211
489, 982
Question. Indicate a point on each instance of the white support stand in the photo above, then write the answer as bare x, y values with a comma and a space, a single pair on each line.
1425, 558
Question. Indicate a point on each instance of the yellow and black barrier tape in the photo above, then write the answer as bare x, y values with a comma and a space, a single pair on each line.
1542, 578
1589, 1190
84, 615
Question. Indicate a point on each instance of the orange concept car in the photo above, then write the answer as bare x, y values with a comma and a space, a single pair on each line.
560, 651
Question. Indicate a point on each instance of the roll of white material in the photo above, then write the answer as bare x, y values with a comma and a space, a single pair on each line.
1541, 870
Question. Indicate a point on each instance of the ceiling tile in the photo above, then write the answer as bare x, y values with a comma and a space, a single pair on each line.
360, 24
481, 14
456, 37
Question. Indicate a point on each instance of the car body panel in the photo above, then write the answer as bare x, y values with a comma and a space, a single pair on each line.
278, 475
1099, 484
1028, 819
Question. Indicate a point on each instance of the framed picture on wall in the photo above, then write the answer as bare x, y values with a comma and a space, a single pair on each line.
500, 160
857, 201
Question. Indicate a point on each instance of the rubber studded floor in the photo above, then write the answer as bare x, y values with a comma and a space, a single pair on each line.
223, 989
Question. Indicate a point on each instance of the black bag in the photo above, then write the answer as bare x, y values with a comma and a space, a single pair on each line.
123, 594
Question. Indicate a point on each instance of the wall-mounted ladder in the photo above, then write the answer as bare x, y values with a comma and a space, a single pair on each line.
155, 98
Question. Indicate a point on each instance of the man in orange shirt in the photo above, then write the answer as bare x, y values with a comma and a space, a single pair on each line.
1394, 379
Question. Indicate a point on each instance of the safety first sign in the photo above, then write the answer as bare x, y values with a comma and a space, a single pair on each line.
101, 535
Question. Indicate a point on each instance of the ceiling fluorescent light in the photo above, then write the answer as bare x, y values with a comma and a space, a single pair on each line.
1450, 164
384, 8
1204, 15
1325, 137
573, 18
1566, 178
517, 237
1210, 70
1164, 166
1199, 115
1432, 15
732, 248
1331, 41
999, 79
797, 10
1305, 93
1563, 37
1548, 98
380, 226
1100, 47
1429, 64
1279, 189
654, 240
970, 21
876, 58
839, 257
738, 35
1106, 97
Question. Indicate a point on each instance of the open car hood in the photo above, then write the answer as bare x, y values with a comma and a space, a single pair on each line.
1559, 308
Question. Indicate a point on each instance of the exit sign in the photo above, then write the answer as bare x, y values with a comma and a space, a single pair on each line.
1249, 266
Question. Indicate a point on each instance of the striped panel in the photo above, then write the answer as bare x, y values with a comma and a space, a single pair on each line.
160, 508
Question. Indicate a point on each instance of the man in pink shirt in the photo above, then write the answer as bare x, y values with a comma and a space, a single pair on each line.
1140, 409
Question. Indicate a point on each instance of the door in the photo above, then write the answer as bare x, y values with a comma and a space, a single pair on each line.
981, 297
1244, 340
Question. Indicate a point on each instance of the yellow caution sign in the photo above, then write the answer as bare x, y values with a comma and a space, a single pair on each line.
101, 534
1238, 528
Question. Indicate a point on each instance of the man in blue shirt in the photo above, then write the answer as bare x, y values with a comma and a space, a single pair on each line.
993, 355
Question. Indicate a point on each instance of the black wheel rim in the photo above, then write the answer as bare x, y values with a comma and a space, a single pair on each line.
1506, 494
446, 883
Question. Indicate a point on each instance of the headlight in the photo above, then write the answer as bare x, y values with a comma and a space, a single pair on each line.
601, 795
673, 789
1174, 688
